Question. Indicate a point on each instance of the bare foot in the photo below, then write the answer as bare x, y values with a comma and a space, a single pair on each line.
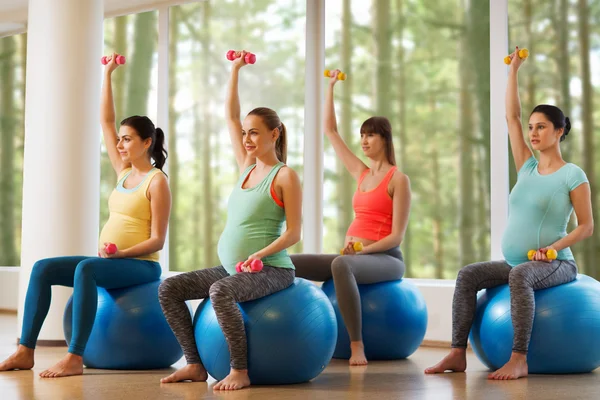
191, 372
456, 361
20, 359
237, 379
70, 365
515, 368
357, 353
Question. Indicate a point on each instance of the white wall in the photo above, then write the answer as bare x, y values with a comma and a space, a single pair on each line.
9, 288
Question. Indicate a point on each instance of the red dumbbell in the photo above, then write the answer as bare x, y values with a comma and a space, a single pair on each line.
250, 58
255, 265
110, 248
119, 60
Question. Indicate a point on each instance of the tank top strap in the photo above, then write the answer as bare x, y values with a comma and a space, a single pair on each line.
265, 185
388, 176
362, 178
148, 179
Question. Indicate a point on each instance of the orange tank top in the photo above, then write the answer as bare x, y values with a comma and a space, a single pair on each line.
372, 209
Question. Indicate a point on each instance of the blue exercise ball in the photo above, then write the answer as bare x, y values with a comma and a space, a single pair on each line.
394, 320
566, 328
290, 334
130, 330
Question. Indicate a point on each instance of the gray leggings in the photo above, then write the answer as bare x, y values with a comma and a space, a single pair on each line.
347, 272
522, 280
225, 292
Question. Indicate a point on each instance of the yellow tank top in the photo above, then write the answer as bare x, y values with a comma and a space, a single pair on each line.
129, 222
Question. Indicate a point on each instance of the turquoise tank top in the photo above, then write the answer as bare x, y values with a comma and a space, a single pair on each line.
539, 210
254, 221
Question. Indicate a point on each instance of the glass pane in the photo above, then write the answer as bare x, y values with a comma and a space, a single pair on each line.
416, 63
13, 52
563, 69
134, 84
202, 168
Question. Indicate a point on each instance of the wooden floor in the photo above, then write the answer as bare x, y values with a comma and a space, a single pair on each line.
379, 380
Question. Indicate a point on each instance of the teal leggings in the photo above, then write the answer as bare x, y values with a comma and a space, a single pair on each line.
84, 275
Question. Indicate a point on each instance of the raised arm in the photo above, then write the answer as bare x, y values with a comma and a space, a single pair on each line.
521, 152
233, 117
352, 163
108, 119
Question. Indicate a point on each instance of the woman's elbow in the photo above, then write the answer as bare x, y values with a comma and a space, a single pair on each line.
295, 236
589, 229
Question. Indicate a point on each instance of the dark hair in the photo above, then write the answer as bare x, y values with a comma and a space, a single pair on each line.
146, 129
556, 116
272, 121
381, 126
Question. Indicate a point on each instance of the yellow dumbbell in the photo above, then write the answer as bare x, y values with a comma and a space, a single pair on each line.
357, 246
550, 254
523, 53
341, 76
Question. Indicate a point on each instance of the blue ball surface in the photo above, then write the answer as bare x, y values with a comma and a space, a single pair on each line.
566, 328
130, 330
394, 320
290, 334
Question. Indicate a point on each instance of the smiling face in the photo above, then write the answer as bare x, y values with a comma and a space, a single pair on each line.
542, 132
131, 146
257, 138
372, 144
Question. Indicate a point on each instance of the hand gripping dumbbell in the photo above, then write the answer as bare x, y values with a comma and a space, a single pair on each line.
523, 53
119, 60
341, 76
250, 58
357, 246
550, 254
255, 265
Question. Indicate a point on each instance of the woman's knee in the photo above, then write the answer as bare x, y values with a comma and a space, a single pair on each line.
519, 275
340, 266
42, 269
467, 275
219, 291
85, 270
168, 289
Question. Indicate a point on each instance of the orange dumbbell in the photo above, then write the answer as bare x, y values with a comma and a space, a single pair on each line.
357, 246
341, 76
550, 254
523, 53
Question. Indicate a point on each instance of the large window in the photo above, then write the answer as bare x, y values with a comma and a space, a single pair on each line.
134, 84
563, 69
202, 169
13, 51
425, 66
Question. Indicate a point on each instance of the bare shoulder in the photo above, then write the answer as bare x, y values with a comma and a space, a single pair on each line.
286, 175
400, 178
399, 182
158, 184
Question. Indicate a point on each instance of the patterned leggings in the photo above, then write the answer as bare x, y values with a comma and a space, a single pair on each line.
522, 279
225, 292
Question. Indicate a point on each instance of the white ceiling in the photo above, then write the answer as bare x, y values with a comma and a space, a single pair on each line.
13, 13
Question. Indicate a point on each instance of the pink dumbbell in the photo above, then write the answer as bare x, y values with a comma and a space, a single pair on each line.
255, 265
120, 60
250, 58
110, 248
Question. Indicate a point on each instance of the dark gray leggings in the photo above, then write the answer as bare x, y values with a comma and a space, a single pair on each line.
347, 272
522, 280
225, 292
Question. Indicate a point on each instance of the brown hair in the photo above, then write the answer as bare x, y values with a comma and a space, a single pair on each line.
272, 121
381, 126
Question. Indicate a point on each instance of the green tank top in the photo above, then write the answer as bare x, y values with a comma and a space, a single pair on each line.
254, 221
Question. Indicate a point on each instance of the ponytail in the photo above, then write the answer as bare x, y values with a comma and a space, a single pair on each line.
281, 145
159, 153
